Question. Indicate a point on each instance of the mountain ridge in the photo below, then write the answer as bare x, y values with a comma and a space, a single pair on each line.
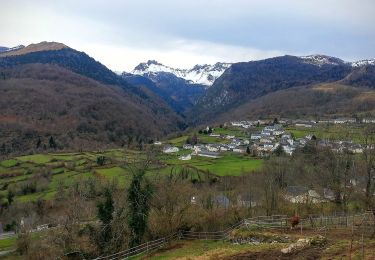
200, 74
53, 90
246, 81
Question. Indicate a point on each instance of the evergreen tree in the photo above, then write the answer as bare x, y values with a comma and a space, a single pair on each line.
139, 196
106, 208
279, 151
100, 160
52, 143
38, 143
105, 215
10, 197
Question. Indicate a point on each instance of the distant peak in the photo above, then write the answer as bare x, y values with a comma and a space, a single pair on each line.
200, 74
154, 62
35, 47
320, 60
362, 63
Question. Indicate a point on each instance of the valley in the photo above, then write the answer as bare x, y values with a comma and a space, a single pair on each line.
94, 163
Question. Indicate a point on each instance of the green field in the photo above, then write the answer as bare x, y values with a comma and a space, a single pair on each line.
229, 164
331, 132
7, 243
64, 169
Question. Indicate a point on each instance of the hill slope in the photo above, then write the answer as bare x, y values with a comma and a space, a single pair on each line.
66, 94
244, 82
299, 102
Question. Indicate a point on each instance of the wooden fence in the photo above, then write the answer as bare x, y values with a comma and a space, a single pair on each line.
359, 221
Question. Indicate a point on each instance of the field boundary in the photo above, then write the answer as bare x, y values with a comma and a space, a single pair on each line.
356, 221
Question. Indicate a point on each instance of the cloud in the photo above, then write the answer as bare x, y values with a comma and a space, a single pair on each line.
182, 33
178, 53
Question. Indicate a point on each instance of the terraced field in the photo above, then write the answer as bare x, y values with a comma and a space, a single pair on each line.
40, 176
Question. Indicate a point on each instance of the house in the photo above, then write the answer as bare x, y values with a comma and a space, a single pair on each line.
344, 120
213, 147
170, 149
157, 143
229, 136
278, 132
198, 148
256, 136
288, 149
355, 148
268, 147
328, 194
246, 201
185, 157
208, 154
221, 201
307, 125
239, 150
223, 149
368, 120
265, 140
267, 132
187, 146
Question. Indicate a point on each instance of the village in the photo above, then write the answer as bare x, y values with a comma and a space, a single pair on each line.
263, 138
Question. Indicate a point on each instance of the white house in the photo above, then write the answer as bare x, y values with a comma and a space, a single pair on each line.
368, 120
187, 146
212, 148
288, 149
223, 149
256, 136
239, 150
170, 149
157, 143
185, 157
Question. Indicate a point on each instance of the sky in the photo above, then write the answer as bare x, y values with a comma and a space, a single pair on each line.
182, 33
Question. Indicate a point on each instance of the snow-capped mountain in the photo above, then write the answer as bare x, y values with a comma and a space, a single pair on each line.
320, 60
199, 74
361, 63
5, 49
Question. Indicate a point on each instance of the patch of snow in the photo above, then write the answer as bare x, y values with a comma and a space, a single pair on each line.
15, 48
199, 74
320, 60
362, 63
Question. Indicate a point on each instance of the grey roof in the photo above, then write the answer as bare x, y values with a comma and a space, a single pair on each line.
296, 190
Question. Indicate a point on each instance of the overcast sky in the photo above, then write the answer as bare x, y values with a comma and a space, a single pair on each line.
181, 33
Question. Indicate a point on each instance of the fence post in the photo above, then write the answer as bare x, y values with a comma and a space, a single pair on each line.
346, 220
363, 247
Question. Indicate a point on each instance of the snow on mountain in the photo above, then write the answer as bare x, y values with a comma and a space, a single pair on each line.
320, 60
6, 49
361, 63
199, 74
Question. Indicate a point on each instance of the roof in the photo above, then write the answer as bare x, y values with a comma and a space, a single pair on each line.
296, 190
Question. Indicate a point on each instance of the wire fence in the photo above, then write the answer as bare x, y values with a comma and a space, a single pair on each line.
365, 221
